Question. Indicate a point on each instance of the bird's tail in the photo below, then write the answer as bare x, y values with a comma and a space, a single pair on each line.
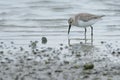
100, 17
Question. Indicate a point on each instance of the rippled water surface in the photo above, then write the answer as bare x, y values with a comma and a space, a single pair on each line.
25, 20
34, 40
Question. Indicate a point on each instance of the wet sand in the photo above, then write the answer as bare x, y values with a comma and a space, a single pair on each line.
61, 63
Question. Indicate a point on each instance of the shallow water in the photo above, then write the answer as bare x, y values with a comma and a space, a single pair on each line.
23, 21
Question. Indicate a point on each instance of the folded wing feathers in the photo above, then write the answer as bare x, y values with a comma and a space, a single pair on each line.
86, 17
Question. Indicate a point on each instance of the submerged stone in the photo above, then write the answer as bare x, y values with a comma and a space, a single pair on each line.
76, 66
59, 71
44, 40
61, 48
61, 44
78, 55
1, 52
88, 66
66, 62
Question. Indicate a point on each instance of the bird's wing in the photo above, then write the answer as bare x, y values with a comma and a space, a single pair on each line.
86, 17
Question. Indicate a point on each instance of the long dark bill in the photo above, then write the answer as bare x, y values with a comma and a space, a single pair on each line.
69, 28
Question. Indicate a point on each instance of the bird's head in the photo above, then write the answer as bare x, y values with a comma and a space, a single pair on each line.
70, 22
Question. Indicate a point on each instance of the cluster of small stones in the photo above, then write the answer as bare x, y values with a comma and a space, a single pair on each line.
47, 63
113, 49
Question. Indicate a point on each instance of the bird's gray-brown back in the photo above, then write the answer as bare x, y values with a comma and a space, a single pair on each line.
86, 17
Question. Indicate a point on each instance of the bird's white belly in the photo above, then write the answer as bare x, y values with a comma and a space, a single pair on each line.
86, 24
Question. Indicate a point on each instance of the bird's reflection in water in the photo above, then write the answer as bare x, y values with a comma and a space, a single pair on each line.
78, 39
81, 47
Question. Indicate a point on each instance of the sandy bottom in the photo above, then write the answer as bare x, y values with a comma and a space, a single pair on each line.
61, 63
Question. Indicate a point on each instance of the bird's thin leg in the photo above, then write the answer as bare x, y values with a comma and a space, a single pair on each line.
85, 35
91, 34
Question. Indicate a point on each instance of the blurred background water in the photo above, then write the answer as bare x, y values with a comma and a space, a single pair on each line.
28, 20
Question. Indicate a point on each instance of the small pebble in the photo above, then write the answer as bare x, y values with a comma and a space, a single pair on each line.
21, 48
61, 48
66, 62
59, 71
81, 42
113, 52
86, 76
7, 69
1, 52
49, 73
76, 66
2, 42
66, 47
61, 44
12, 42
88, 66
118, 52
102, 42
44, 40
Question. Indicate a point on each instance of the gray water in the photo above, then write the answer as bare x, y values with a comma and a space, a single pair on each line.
30, 20
23, 21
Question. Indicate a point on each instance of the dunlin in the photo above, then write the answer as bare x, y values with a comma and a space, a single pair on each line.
84, 20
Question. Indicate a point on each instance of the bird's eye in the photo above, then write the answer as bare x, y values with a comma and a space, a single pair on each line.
71, 20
